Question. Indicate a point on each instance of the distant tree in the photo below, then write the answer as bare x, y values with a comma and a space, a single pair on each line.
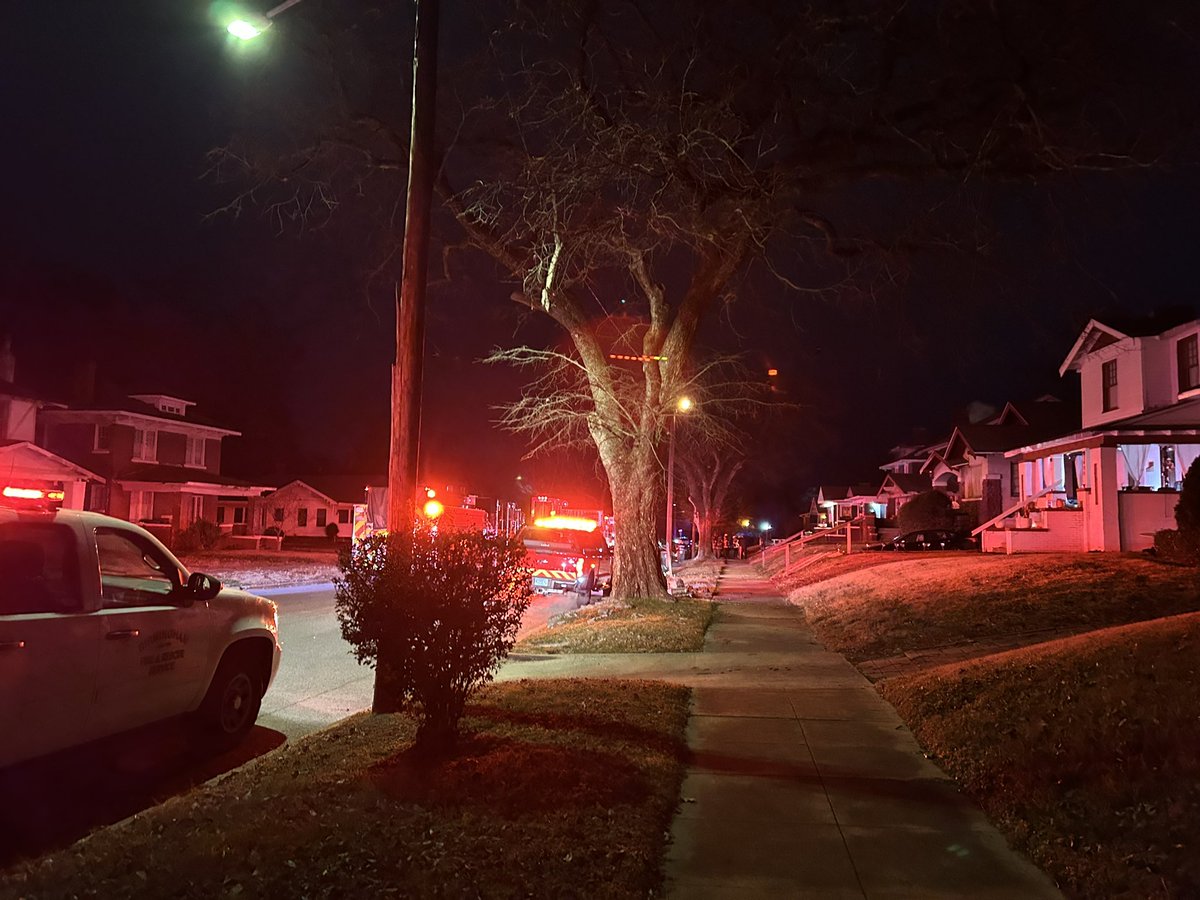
440, 610
620, 150
932, 509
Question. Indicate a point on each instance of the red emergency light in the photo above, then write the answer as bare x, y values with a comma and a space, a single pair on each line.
571, 523
30, 497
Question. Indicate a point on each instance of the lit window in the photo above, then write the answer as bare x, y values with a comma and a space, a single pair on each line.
1108, 380
1188, 355
145, 445
195, 452
102, 440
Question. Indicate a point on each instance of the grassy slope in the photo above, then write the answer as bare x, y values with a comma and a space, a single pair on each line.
928, 600
1085, 750
644, 626
562, 789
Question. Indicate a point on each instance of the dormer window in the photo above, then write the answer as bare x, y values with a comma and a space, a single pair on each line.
145, 445
170, 406
195, 452
1187, 354
1108, 383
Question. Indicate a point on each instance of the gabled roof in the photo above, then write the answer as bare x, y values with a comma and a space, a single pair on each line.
829, 492
9, 451
128, 404
1094, 336
907, 483
339, 488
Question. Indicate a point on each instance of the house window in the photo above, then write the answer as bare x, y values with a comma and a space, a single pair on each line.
302, 517
145, 445
169, 407
195, 508
239, 515
195, 452
1187, 352
1014, 479
344, 516
220, 515
141, 506
277, 514
321, 514
1108, 379
102, 439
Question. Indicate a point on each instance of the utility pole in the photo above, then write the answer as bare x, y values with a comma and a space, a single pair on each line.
410, 308
410, 298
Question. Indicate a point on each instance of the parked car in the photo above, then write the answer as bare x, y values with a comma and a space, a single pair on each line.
568, 559
929, 539
103, 630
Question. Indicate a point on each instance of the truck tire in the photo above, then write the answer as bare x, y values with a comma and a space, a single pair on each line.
231, 705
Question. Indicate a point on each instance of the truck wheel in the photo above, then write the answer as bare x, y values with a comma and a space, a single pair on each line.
231, 706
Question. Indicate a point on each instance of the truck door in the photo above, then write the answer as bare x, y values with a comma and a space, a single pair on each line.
48, 645
153, 643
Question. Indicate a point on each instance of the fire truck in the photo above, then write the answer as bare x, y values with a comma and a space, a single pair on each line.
567, 553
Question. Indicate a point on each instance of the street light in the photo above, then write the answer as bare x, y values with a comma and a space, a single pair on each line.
247, 28
681, 406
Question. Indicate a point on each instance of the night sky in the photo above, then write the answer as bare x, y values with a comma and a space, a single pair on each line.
108, 110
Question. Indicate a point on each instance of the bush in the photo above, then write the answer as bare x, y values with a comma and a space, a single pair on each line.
1187, 510
435, 614
331, 530
1177, 546
200, 535
929, 510
273, 531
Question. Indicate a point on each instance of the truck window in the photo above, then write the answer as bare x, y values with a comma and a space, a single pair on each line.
39, 569
133, 572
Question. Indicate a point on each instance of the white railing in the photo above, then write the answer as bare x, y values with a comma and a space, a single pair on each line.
1020, 504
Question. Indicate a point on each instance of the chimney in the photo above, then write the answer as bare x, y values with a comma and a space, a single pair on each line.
83, 388
8, 362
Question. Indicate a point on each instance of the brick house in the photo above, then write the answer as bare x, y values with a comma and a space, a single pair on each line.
156, 462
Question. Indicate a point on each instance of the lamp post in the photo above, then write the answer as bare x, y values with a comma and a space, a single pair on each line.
682, 406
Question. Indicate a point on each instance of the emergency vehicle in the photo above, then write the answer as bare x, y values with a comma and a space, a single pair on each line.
103, 630
567, 554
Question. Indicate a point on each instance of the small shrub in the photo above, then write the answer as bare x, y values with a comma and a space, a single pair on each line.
331, 531
434, 614
273, 531
1177, 546
929, 510
200, 535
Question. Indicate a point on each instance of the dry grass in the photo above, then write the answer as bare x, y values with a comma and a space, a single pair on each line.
931, 600
837, 564
1086, 751
643, 626
560, 789
700, 578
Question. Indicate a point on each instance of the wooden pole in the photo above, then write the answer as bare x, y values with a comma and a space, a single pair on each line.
410, 309
410, 299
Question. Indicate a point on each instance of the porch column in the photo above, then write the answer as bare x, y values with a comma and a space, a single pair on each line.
1102, 518
74, 494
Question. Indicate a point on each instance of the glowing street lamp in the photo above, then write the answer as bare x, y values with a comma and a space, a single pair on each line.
247, 28
682, 405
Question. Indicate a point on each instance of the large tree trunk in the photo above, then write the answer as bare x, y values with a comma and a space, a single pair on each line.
636, 489
704, 527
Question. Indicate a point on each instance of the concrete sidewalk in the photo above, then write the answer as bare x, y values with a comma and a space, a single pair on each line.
804, 782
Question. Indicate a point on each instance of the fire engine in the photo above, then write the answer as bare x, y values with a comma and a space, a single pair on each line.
567, 553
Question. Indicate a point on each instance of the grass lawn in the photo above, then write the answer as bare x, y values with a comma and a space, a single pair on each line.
1085, 750
643, 626
560, 789
930, 600
834, 565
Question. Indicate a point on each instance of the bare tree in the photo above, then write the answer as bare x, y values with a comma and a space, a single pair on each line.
622, 149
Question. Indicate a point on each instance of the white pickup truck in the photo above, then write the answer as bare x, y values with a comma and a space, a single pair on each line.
103, 630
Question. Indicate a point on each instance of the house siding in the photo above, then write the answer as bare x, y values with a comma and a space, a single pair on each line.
1131, 393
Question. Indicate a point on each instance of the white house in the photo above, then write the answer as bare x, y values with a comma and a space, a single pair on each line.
1114, 482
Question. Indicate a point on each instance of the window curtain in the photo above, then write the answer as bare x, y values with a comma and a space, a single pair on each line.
1185, 455
1135, 461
